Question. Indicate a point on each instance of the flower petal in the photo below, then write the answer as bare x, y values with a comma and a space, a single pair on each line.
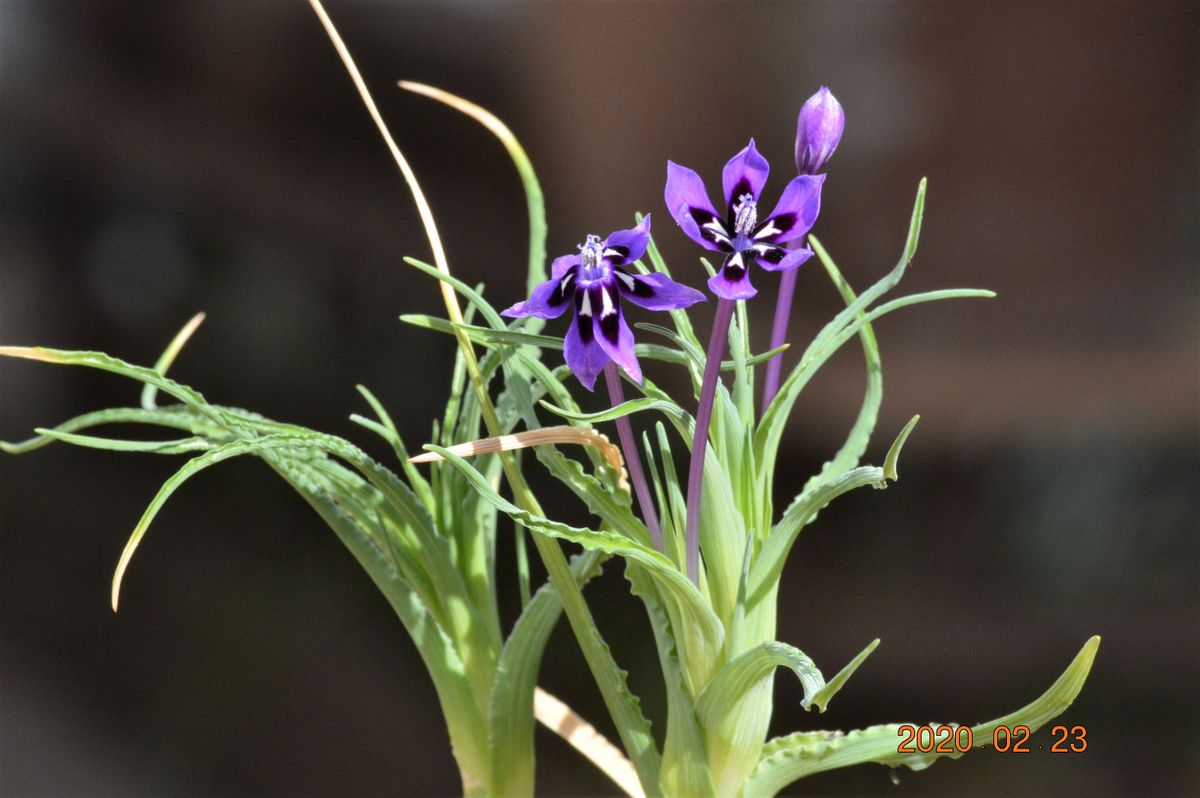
778, 259
626, 246
688, 203
733, 281
583, 354
548, 300
560, 265
613, 334
746, 173
795, 213
656, 291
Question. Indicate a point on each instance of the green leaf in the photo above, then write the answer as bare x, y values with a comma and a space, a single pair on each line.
723, 536
860, 433
771, 425
386, 429
702, 632
891, 460
177, 446
469, 293
176, 417
330, 498
534, 201
626, 408
685, 769
823, 696
680, 318
168, 357
193, 467
735, 708
790, 758
510, 714
103, 362
804, 509
752, 668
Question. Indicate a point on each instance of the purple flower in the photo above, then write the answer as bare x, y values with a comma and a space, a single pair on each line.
740, 235
818, 131
597, 281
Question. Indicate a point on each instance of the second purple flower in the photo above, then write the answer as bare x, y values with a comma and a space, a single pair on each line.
596, 280
740, 234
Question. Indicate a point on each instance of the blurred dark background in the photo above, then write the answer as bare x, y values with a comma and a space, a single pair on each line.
157, 159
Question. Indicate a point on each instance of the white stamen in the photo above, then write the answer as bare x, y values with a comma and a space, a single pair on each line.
590, 252
745, 215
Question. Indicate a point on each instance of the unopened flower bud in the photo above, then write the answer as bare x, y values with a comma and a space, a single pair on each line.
818, 131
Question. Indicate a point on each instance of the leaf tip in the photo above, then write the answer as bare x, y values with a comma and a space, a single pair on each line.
893, 456
32, 353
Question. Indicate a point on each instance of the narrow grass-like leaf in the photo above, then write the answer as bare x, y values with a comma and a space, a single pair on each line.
626, 408
864, 424
438, 651
469, 293
751, 668
703, 642
149, 392
103, 362
390, 434
771, 425
190, 469
534, 201
177, 446
680, 318
774, 553
822, 697
177, 417
510, 713
790, 758
685, 769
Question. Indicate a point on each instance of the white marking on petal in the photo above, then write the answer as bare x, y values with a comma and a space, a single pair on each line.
625, 279
768, 230
612, 253
585, 305
735, 260
606, 308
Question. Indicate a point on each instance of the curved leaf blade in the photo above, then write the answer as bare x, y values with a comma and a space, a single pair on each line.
790, 758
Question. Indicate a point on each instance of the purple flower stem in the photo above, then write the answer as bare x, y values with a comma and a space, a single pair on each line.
634, 463
783, 311
708, 392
